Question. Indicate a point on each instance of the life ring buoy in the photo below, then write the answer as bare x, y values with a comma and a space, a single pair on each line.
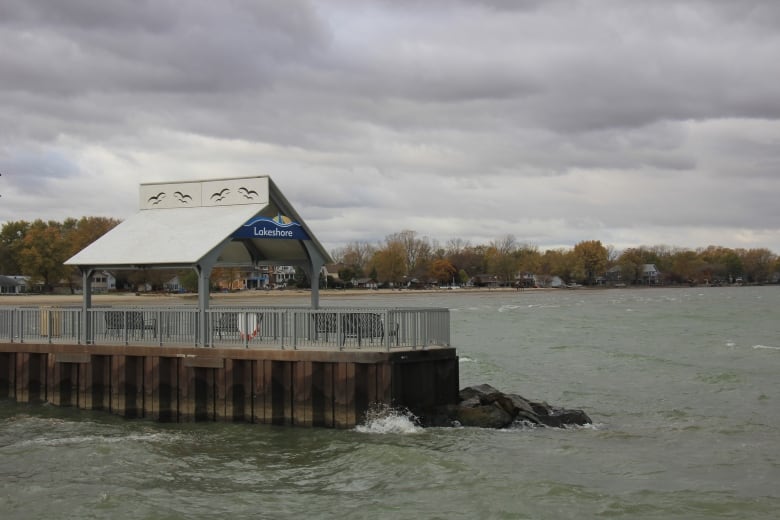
248, 326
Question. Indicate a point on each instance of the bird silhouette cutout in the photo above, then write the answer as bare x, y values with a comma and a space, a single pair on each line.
157, 198
247, 193
220, 195
181, 197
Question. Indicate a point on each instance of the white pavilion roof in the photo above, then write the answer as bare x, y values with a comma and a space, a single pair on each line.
181, 223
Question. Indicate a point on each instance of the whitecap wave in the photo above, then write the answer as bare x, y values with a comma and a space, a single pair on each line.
765, 347
466, 359
383, 419
77, 440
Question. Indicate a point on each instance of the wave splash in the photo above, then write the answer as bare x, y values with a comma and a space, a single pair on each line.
384, 419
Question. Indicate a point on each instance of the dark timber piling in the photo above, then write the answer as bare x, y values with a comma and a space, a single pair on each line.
330, 389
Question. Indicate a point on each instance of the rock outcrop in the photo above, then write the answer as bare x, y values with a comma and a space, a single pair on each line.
485, 407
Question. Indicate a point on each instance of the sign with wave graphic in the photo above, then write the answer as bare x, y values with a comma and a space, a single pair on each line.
279, 227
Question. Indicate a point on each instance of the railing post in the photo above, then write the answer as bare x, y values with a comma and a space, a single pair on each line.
295, 330
208, 329
340, 330
49, 324
21, 326
126, 328
246, 329
282, 327
387, 330
416, 329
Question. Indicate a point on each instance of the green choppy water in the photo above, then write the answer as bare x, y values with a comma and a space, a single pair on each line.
682, 385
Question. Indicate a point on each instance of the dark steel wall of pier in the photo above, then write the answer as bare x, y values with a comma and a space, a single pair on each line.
281, 387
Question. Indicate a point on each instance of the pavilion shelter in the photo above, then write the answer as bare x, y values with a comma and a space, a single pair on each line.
201, 225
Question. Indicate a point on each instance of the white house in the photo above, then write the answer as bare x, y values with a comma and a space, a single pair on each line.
284, 274
103, 282
650, 274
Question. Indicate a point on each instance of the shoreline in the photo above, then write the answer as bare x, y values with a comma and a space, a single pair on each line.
51, 299
171, 299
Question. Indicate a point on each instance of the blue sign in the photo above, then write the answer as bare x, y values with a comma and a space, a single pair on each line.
279, 227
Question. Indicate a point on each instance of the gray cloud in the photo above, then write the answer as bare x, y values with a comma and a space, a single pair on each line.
556, 121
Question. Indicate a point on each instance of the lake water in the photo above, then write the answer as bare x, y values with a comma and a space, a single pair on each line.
682, 384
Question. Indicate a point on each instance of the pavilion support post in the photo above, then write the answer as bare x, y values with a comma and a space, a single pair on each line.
86, 304
313, 268
203, 269
204, 273
314, 275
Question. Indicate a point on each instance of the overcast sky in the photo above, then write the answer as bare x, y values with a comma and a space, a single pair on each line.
556, 121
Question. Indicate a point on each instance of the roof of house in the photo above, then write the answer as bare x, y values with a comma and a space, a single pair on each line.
7, 281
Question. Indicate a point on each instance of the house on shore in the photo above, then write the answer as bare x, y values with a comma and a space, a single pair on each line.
13, 284
648, 275
103, 282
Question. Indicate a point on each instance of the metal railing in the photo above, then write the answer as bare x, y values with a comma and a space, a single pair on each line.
50, 324
326, 328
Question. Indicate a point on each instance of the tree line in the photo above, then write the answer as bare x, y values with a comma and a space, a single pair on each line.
39, 249
406, 256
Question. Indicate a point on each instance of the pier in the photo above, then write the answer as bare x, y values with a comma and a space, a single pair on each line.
295, 366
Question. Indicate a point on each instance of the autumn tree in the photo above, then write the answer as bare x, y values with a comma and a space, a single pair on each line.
591, 259
501, 258
757, 264
389, 262
417, 251
81, 233
11, 242
39, 249
686, 266
528, 259
443, 271
355, 256
560, 262
467, 258
226, 277
721, 263
630, 264
43, 251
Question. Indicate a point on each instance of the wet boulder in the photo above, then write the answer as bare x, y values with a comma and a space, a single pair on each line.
483, 415
485, 406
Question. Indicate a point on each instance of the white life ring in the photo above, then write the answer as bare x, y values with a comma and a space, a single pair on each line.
248, 325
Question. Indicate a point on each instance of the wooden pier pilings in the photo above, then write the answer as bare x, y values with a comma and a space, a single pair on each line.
283, 387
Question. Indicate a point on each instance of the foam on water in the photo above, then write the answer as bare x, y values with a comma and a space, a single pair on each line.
78, 440
383, 419
765, 347
91, 440
466, 359
56, 432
